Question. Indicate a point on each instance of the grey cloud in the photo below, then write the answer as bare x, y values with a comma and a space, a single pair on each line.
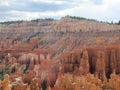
35, 6
30, 6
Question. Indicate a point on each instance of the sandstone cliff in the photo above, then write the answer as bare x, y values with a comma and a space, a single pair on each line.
65, 54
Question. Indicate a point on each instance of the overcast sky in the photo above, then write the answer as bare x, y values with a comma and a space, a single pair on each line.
106, 10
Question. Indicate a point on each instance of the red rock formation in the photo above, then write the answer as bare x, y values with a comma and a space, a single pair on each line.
100, 65
84, 63
6, 83
34, 84
29, 59
62, 54
18, 85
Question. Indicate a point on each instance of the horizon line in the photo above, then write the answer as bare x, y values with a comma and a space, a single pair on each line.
53, 18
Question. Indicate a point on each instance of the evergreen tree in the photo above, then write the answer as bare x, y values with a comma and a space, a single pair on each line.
119, 22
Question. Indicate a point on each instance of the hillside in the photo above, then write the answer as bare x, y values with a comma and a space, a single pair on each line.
68, 54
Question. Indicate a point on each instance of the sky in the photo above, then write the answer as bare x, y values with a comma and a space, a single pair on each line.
102, 10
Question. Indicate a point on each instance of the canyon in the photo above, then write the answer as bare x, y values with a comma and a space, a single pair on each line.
67, 54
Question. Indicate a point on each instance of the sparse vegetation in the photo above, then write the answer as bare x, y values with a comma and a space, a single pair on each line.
3, 71
10, 22
80, 18
20, 21
36, 20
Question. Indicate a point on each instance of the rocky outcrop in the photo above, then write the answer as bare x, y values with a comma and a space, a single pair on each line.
47, 73
104, 60
65, 24
66, 54
5, 84
87, 82
18, 85
101, 61
30, 60
69, 81
100, 65
76, 62
34, 84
